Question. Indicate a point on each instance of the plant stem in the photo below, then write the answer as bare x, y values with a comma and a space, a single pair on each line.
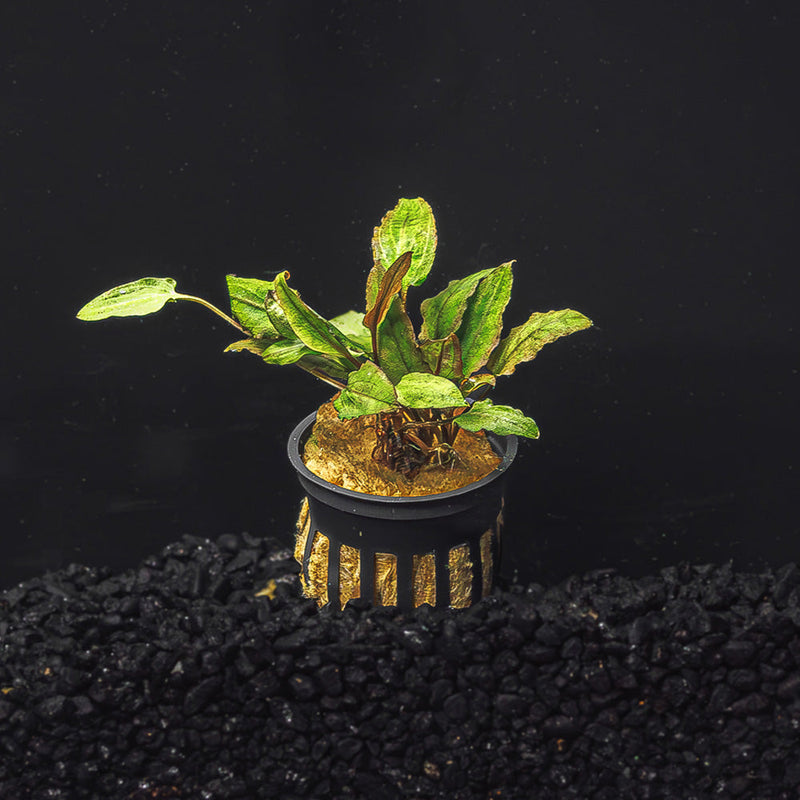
213, 308
351, 358
322, 376
375, 346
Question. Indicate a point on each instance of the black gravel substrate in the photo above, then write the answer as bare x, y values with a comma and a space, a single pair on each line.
174, 680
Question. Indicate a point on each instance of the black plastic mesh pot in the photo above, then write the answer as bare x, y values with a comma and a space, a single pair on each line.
404, 528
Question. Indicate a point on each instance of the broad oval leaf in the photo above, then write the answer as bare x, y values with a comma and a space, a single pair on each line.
248, 297
526, 340
410, 225
442, 313
368, 391
502, 420
423, 390
482, 323
398, 351
134, 299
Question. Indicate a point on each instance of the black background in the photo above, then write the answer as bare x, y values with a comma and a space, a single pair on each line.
638, 160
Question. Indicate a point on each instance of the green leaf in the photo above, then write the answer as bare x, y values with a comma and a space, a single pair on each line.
503, 420
368, 391
443, 357
423, 390
398, 351
248, 296
442, 314
408, 226
134, 299
257, 346
351, 324
309, 327
285, 352
526, 340
326, 368
482, 323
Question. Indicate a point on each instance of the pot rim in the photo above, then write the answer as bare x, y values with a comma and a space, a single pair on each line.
293, 448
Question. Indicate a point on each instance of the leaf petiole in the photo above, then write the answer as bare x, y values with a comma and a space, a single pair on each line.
320, 375
211, 307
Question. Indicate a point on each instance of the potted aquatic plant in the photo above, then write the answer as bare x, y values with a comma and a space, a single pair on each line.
403, 468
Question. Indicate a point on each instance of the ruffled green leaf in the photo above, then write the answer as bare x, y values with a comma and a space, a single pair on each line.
134, 299
398, 351
408, 226
503, 420
248, 297
368, 391
423, 390
526, 340
443, 357
442, 314
482, 323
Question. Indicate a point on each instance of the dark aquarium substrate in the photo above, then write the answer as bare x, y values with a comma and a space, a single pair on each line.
175, 680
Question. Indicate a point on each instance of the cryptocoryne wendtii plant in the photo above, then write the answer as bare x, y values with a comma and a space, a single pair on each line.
421, 387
